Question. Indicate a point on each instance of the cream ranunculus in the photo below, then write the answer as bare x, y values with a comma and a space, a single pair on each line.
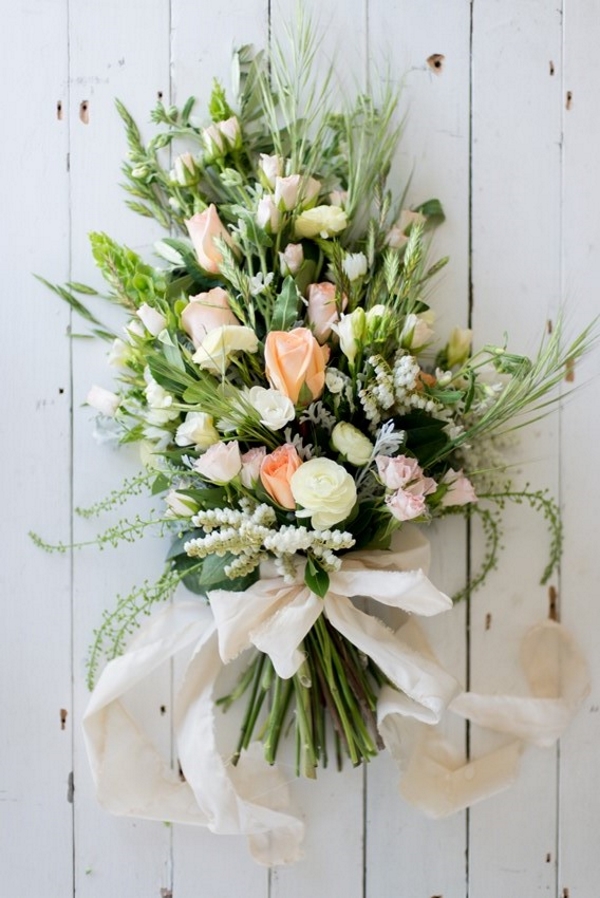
198, 429
204, 228
351, 443
220, 463
218, 346
275, 409
324, 221
325, 490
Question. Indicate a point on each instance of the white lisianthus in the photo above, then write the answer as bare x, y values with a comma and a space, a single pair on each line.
220, 463
214, 352
354, 266
325, 221
104, 401
351, 330
416, 333
184, 169
459, 346
159, 401
152, 320
275, 409
269, 169
325, 490
180, 506
120, 354
198, 429
291, 259
351, 443
222, 136
268, 215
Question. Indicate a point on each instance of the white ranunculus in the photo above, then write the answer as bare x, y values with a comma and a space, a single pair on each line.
325, 490
152, 320
324, 221
275, 409
103, 401
220, 463
214, 352
198, 429
354, 265
351, 443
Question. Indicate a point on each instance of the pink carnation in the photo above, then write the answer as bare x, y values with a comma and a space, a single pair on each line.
396, 472
405, 506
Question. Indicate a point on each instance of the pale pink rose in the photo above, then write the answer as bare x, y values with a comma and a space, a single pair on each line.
404, 506
205, 312
398, 234
153, 321
103, 401
222, 136
291, 259
220, 463
396, 472
322, 309
271, 168
460, 491
204, 228
295, 190
268, 215
230, 129
251, 462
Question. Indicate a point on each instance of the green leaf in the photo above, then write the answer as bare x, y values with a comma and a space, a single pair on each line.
82, 288
171, 350
433, 210
316, 578
160, 484
285, 308
71, 300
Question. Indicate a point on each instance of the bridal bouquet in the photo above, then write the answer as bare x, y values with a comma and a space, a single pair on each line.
295, 403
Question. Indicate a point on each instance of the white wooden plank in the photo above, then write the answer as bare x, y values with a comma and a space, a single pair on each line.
35, 615
404, 846
202, 39
579, 865
333, 805
116, 50
516, 282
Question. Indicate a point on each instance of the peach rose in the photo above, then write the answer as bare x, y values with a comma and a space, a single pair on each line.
205, 312
276, 472
322, 309
293, 360
203, 228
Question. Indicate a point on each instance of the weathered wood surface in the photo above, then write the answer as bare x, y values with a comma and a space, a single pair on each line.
505, 132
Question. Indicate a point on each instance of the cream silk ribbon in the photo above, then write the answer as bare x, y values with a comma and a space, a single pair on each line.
133, 779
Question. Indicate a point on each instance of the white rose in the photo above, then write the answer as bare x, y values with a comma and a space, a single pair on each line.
416, 333
198, 429
325, 490
152, 320
268, 215
103, 401
218, 345
220, 463
354, 265
275, 409
325, 221
351, 443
